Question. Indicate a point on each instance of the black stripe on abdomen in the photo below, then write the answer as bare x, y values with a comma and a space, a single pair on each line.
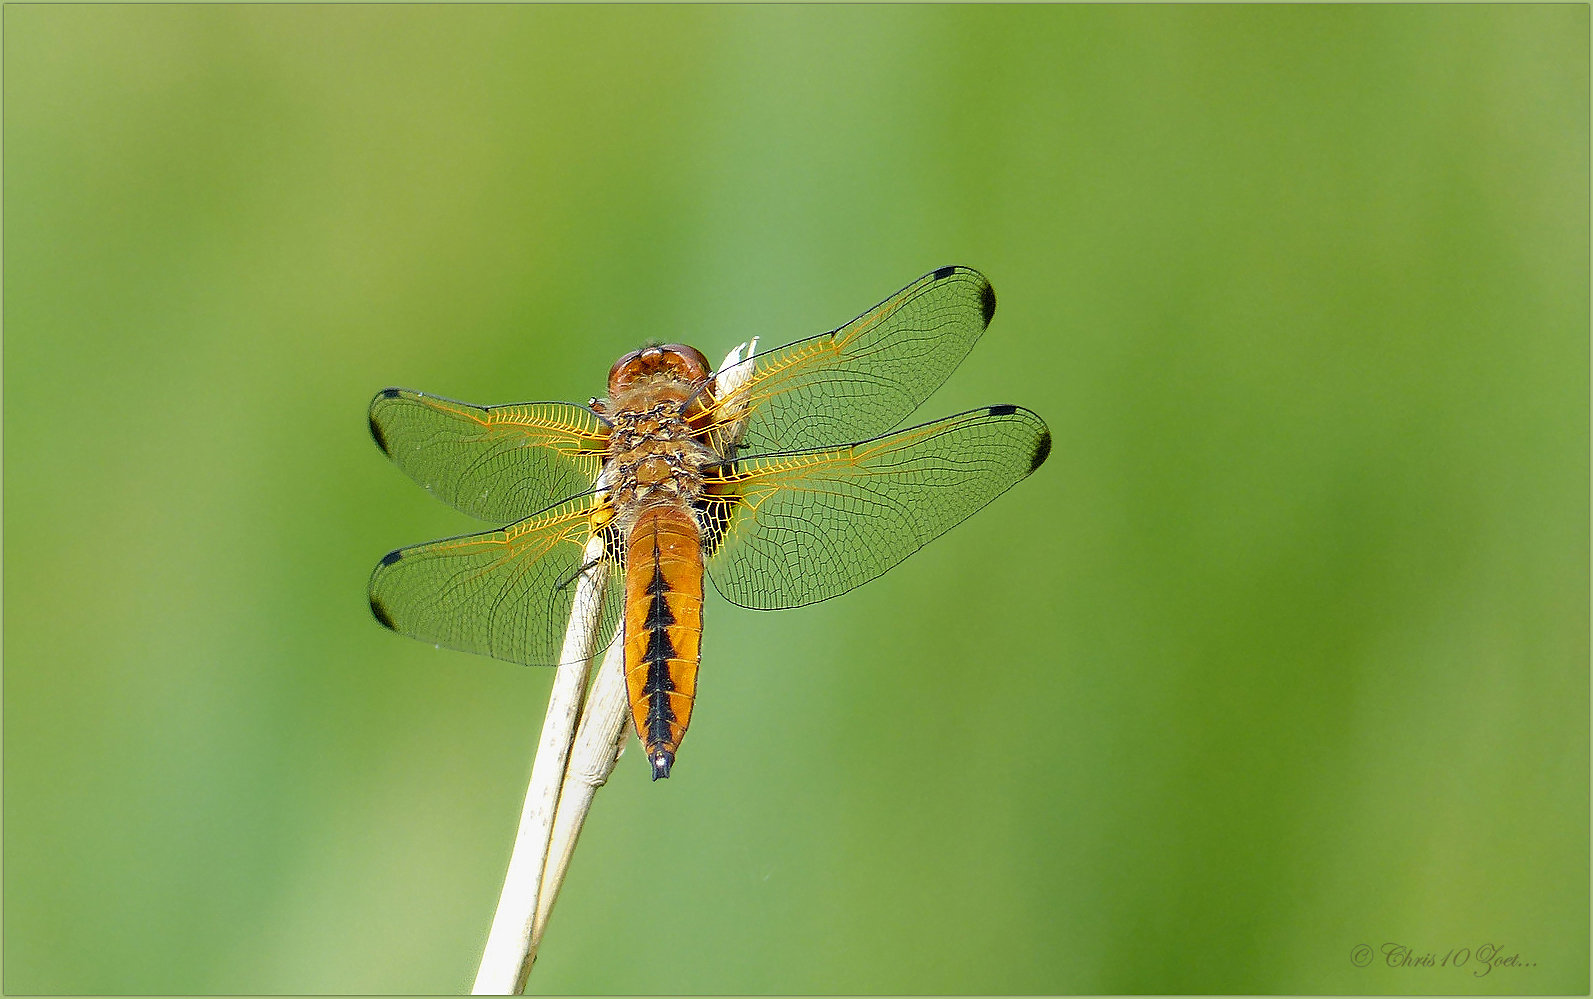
660, 650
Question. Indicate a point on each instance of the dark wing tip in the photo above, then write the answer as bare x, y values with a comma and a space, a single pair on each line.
661, 761
987, 294
382, 617
1042, 445
376, 430
376, 435
1042, 450
393, 556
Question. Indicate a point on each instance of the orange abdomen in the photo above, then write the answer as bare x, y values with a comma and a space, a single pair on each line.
663, 627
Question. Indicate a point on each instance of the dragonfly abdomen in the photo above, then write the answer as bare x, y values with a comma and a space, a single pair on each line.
663, 627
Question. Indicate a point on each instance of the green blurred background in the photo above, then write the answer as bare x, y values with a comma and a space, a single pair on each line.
1285, 650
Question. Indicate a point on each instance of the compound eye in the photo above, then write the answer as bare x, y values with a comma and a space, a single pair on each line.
685, 361
626, 370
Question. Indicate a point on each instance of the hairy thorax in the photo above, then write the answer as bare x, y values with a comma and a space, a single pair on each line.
652, 457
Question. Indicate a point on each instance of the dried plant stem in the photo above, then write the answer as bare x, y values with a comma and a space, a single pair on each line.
506, 960
597, 747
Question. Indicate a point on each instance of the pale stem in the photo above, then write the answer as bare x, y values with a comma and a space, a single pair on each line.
506, 960
597, 746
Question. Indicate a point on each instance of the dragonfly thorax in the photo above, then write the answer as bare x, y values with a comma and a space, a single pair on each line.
653, 455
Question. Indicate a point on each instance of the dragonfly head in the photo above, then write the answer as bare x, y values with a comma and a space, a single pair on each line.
662, 760
675, 360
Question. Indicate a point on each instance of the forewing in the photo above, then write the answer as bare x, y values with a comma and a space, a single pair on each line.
803, 527
495, 463
863, 379
505, 594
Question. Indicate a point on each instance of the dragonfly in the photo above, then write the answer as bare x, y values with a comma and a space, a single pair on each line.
780, 476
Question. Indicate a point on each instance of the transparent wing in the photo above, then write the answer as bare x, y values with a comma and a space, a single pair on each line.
863, 379
496, 463
505, 594
797, 528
